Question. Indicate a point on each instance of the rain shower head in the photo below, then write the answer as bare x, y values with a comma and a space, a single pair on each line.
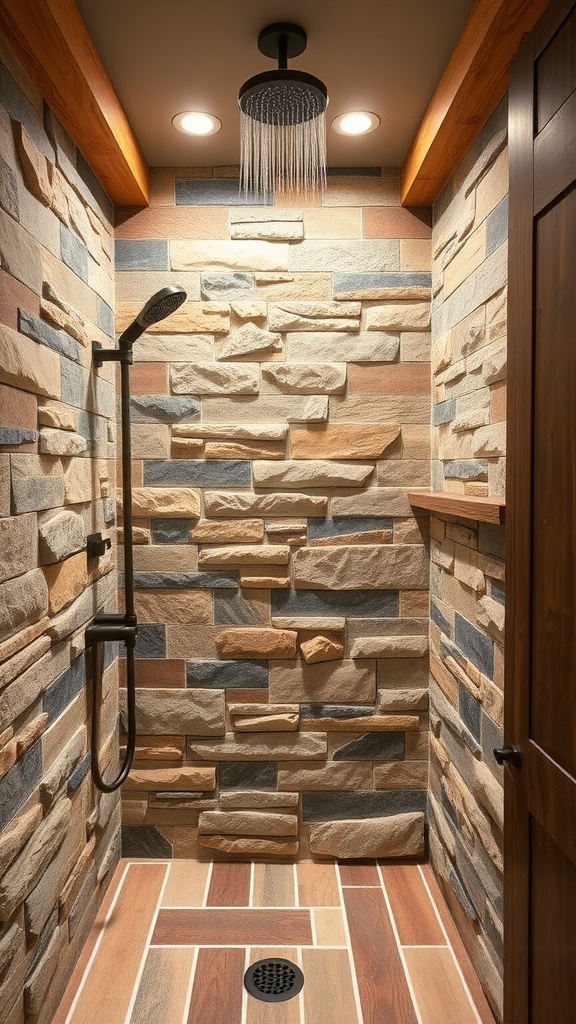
161, 305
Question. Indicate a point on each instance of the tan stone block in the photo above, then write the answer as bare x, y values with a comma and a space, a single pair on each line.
308, 622
172, 348
166, 557
342, 441
266, 408
213, 379
16, 835
150, 440
314, 316
415, 699
154, 748
276, 231
34, 164
401, 775
244, 710
161, 780
25, 872
245, 450
66, 581
399, 835
185, 448
256, 799
249, 310
415, 254
410, 410
55, 414
167, 711
174, 606
261, 747
398, 316
250, 847
339, 683
298, 474
227, 503
247, 554
190, 318
174, 502
322, 776
185, 643
262, 578
61, 442
234, 255
321, 648
20, 661
316, 346
305, 378
228, 530
226, 431
61, 314
360, 567
466, 568
363, 724
27, 365
23, 601
247, 340
490, 614
251, 823
389, 647
256, 643
267, 723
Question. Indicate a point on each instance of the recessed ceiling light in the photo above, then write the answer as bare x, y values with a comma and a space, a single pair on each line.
355, 122
195, 122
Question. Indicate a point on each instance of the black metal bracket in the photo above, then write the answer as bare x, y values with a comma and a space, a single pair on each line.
110, 355
97, 545
111, 627
509, 755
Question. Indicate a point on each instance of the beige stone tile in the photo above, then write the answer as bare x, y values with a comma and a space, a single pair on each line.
178, 606
166, 558
492, 188
341, 223
199, 643
329, 926
467, 260
415, 254
361, 190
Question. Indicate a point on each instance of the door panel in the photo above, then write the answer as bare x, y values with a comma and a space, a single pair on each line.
553, 927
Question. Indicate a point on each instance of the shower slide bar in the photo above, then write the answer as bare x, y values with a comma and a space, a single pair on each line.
123, 626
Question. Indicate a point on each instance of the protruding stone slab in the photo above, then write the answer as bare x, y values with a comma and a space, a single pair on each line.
272, 746
256, 643
342, 441
403, 699
235, 255
389, 647
165, 502
364, 724
256, 799
281, 225
27, 365
246, 340
61, 442
247, 554
23, 600
267, 723
66, 580
400, 835
173, 711
34, 164
247, 823
18, 545
213, 379
263, 709
320, 776
379, 567
250, 847
296, 474
306, 378
225, 431
339, 682
315, 316
228, 531
321, 648
352, 347
228, 503
159, 779
399, 316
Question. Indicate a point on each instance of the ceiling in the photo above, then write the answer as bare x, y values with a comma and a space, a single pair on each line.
166, 56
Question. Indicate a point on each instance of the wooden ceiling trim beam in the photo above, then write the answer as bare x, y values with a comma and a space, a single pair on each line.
473, 82
53, 43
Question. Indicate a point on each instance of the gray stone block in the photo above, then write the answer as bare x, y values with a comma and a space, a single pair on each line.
237, 610
247, 775
335, 710
466, 469
142, 254
151, 641
104, 317
227, 675
93, 191
171, 531
226, 286
474, 645
381, 746
164, 408
326, 603
492, 540
185, 580
440, 619
74, 253
341, 526
8, 190
18, 783
208, 473
444, 412
217, 192
13, 436
497, 226
497, 593
65, 688
144, 841
76, 778
21, 109
355, 282
42, 332
460, 891
328, 806
469, 709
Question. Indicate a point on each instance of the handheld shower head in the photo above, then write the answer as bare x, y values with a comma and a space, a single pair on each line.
161, 305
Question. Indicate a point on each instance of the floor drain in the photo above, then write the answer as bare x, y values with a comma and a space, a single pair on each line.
273, 980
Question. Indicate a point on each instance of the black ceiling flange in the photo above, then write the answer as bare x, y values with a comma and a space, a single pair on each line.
282, 41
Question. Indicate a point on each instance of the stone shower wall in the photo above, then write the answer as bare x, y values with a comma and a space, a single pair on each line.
467, 557
58, 841
279, 418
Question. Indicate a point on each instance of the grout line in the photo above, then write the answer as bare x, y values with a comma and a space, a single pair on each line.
301, 1008
252, 884
313, 927
377, 887
244, 1016
147, 946
238, 945
355, 987
236, 907
437, 945
399, 947
96, 947
296, 892
207, 886
451, 948
188, 1000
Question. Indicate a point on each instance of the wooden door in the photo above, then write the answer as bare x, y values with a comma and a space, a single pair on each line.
540, 713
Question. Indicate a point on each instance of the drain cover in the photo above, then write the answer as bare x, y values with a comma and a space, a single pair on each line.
273, 980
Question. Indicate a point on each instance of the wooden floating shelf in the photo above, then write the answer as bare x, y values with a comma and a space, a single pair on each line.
463, 506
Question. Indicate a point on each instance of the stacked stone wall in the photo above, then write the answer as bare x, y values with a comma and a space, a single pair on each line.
279, 419
467, 557
58, 842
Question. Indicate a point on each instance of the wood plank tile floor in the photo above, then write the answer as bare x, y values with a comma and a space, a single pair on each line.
173, 939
